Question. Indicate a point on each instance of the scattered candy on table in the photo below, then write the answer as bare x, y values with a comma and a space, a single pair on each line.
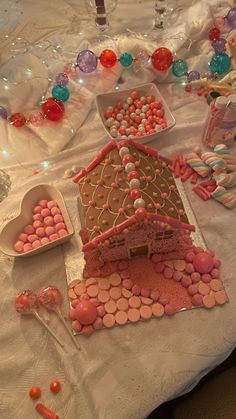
47, 225
135, 117
35, 393
98, 303
45, 412
55, 386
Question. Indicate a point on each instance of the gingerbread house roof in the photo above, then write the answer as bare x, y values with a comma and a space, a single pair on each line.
124, 177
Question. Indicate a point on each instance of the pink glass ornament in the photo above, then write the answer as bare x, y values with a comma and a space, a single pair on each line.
26, 303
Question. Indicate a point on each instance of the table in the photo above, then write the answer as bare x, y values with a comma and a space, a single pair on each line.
127, 371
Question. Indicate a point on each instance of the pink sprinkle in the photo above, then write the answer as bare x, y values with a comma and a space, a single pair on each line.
197, 300
58, 218
215, 273
37, 217
145, 292
51, 204
169, 309
217, 263
55, 211
40, 232
62, 233
159, 267
206, 278
36, 244
29, 229
168, 273
45, 212
19, 246
189, 268
37, 209
177, 276
23, 237
60, 226
32, 238
53, 237
127, 283
186, 281
27, 247
192, 290
136, 289
49, 230
48, 221
125, 274
43, 203
195, 276
189, 257
45, 240
37, 224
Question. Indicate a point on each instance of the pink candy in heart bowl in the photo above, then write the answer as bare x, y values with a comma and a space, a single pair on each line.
43, 223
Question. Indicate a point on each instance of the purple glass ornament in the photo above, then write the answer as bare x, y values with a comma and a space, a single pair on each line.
193, 75
87, 61
219, 45
231, 17
62, 79
3, 112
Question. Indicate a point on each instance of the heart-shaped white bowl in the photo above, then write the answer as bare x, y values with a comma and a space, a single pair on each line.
10, 232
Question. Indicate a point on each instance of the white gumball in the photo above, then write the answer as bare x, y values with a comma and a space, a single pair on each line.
123, 151
129, 167
139, 203
134, 184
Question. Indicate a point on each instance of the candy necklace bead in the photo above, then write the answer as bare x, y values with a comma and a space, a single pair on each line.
61, 93
87, 61
179, 68
126, 59
62, 79
108, 58
220, 63
17, 119
162, 59
53, 109
231, 17
214, 34
219, 45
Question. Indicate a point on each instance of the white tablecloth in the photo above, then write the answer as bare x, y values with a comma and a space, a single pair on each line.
125, 372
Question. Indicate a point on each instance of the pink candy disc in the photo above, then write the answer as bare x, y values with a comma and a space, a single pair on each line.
133, 315
215, 273
146, 301
108, 320
126, 293
192, 290
209, 301
115, 293
125, 274
37, 217
92, 290
101, 311
115, 279
217, 263
221, 297
123, 265
122, 304
203, 262
49, 230
216, 285
203, 288
163, 300
104, 284
189, 257
110, 306
87, 330
90, 281
134, 302
157, 310
80, 289
156, 258
103, 296
121, 317
179, 265
145, 312
127, 283
86, 312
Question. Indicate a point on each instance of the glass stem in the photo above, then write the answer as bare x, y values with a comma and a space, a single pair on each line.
101, 16
160, 13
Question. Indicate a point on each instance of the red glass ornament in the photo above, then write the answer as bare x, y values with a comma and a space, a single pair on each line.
17, 119
128, 158
135, 194
162, 59
108, 58
214, 33
133, 175
53, 109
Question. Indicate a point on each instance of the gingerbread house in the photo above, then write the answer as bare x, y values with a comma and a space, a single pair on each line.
129, 203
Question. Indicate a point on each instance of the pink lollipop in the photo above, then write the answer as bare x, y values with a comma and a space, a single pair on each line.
26, 303
51, 298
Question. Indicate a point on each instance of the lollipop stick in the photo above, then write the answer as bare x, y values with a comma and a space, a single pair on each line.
47, 327
68, 329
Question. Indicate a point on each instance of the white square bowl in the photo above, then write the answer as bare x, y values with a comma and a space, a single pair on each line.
14, 227
149, 89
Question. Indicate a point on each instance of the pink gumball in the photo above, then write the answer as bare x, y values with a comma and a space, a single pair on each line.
23, 237
58, 218
50, 298
86, 312
51, 204
203, 262
26, 302
49, 230
45, 212
43, 203
36, 244
60, 226
45, 240
55, 211
40, 232
19, 246
62, 233
53, 237
48, 221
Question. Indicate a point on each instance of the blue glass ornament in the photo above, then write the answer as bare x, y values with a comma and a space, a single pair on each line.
193, 75
179, 68
61, 93
87, 61
126, 59
231, 17
219, 45
220, 63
